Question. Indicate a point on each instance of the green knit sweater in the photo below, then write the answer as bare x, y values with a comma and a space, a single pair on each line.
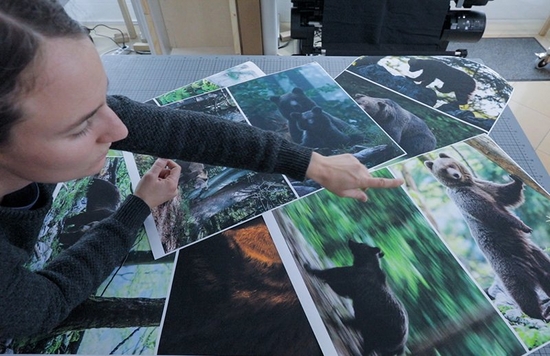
33, 303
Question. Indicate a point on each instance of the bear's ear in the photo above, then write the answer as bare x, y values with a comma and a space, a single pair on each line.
443, 155
316, 110
359, 95
298, 91
381, 106
429, 164
295, 115
378, 252
275, 99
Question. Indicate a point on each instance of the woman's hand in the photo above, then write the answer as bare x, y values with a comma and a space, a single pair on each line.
160, 183
345, 176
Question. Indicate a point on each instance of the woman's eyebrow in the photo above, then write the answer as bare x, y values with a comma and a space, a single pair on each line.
84, 118
87, 116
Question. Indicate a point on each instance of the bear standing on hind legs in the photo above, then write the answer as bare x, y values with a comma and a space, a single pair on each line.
502, 237
379, 316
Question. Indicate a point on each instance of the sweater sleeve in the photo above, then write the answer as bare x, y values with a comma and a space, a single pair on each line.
197, 137
34, 303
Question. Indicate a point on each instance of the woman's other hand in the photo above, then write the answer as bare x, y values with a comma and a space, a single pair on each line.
160, 183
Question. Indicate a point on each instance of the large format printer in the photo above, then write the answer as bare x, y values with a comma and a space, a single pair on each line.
384, 27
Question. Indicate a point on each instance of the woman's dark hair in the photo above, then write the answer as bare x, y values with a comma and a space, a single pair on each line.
23, 25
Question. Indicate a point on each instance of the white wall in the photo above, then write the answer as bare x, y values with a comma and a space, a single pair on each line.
97, 11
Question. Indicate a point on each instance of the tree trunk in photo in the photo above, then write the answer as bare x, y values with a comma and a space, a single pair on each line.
225, 198
100, 312
145, 258
486, 146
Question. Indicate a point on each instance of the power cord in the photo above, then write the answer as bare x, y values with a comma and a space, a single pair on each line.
121, 49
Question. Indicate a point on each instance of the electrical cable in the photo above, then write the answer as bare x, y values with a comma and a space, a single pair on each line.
110, 28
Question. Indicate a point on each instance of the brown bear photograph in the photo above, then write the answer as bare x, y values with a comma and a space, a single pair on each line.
460, 87
494, 218
416, 127
231, 295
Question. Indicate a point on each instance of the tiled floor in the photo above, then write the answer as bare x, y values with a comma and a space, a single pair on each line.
529, 103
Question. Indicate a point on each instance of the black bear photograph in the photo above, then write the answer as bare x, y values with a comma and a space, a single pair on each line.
294, 101
396, 288
318, 112
380, 316
454, 80
463, 88
322, 130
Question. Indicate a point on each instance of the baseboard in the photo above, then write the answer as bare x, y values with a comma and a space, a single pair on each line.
512, 28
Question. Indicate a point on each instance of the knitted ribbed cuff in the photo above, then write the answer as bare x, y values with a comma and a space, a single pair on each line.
293, 160
132, 212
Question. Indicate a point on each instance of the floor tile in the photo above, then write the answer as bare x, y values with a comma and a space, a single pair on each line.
544, 145
534, 95
535, 125
545, 159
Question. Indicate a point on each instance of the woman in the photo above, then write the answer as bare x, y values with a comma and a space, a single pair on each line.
57, 124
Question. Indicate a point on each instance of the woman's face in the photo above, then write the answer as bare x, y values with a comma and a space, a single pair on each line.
66, 128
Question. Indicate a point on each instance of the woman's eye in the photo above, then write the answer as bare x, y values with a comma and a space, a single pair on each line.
83, 132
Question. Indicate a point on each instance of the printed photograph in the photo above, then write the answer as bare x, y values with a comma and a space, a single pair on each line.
234, 75
211, 198
496, 220
384, 282
231, 295
124, 315
416, 127
308, 107
460, 87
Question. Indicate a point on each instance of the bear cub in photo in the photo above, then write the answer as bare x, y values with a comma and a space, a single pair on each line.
294, 101
406, 129
521, 266
322, 130
379, 316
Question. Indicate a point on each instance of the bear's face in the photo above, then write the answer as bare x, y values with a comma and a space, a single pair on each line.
313, 120
295, 101
377, 108
449, 171
367, 103
365, 255
415, 64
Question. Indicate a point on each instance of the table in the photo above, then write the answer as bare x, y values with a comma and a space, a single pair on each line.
144, 77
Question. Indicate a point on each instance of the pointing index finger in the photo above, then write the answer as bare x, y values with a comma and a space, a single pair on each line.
383, 182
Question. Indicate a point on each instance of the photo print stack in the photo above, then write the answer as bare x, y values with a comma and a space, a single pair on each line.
453, 262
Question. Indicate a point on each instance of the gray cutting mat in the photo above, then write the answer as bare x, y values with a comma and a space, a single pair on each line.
144, 77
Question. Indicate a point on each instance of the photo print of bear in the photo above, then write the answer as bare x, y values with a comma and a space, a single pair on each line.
495, 219
382, 281
231, 295
233, 75
211, 198
416, 127
308, 107
460, 87
125, 313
